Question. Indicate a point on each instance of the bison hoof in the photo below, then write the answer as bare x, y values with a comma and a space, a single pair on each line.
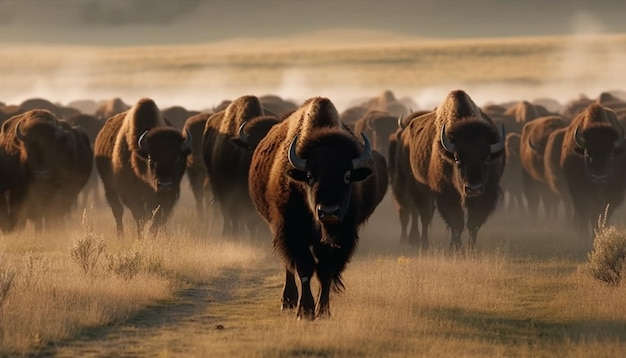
288, 305
306, 314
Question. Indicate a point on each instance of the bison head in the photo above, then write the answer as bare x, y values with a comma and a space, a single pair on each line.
598, 145
42, 141
165, 151
251, 132
334, 161
472, 147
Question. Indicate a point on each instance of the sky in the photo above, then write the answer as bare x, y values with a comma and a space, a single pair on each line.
133, 22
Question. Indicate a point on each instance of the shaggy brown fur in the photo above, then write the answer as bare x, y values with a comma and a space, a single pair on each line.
598, 152
314, 211
48, 161
146, 178
177, 116
466, 179
532, 147
40, 103
553, 172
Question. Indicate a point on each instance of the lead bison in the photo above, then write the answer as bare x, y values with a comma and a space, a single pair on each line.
48, 163
315, 184
594, 165
141, 160
455, 157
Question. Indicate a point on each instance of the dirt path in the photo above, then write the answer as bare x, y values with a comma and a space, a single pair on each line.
197, 316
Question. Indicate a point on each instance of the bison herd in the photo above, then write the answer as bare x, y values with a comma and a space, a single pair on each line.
310, 176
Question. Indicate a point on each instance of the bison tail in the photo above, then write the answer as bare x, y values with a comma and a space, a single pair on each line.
337, 284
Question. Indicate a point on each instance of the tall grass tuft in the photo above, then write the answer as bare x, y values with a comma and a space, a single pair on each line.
87, 248
607, 260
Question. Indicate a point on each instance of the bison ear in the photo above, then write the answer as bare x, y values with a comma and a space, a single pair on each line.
360, 174
298, 175
239, 143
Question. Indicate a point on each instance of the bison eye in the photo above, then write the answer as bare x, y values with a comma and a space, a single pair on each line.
457, 160
347, 177
310, 178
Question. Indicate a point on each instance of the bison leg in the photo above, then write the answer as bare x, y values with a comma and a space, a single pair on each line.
290, 291
531, 192
197, 188
414, 234
116, 207
452, 213
305, 265
404, 215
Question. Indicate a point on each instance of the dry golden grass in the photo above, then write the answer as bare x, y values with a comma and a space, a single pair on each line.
197, 294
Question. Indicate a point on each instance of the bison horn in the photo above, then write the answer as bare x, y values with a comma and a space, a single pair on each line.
18, 132
188, 141
242, 135
400, 125
446, 143
362, 159
294, 159
495, 148
140, 142
578, 140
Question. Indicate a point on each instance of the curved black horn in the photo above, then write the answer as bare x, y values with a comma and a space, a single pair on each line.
362, 159
294, 159
495, 148
400, 125
18, 132
578, 140
140, 141
242, 135
445, 141
188, 141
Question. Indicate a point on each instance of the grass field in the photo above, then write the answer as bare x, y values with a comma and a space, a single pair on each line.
189, 292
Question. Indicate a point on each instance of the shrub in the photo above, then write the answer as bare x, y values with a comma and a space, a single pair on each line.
88, 248
125, 264
6, 282
607, 260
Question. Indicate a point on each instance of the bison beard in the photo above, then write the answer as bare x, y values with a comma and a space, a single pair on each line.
314, 184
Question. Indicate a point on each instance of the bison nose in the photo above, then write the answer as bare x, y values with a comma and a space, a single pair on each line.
164, 184
473, 190
328, 214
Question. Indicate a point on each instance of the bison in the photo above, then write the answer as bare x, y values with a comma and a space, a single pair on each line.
594, 165
453, 158
227, 161
196, 170
378, 125
141, 160
532, 147
512, 176
315, 184
49, 162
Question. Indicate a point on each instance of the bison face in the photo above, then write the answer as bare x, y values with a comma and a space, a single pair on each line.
42, 145
332, 165
472, 155
598, 146
165, 151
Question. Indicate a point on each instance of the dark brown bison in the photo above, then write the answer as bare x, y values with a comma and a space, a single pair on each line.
40, 103
196, 170
273, 104
227, 163
532, 147
92, 126
141, 160
401, 184
454, 157
49, 161
177, 115
111, 107
378, 125
315, 184
553, 172
512, 176
594, 165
